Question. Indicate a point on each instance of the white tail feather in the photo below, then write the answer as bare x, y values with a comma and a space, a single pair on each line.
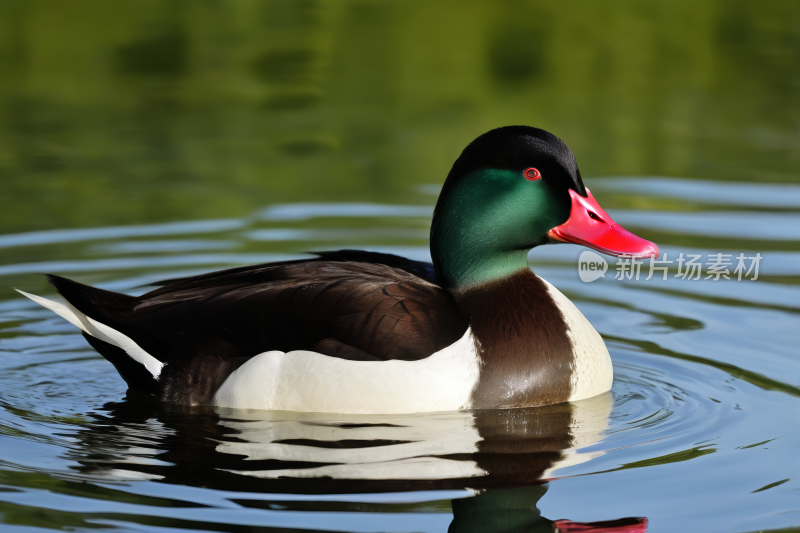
99, 331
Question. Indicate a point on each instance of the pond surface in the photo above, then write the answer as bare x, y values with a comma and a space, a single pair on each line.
163, 139
699, 430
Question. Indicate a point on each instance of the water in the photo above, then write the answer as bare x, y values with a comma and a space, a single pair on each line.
698, 431
164, 139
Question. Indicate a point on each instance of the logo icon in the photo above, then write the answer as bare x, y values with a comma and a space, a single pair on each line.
591, 266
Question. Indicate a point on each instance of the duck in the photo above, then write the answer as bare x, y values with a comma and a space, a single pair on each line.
353, 331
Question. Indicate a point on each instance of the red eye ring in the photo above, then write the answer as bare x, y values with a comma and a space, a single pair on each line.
533, 174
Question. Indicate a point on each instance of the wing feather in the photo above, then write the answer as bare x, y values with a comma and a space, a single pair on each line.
365, 308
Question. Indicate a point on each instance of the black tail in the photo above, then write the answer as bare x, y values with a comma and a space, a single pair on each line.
116, 311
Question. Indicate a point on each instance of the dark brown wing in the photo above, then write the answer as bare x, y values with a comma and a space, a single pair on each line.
361, 311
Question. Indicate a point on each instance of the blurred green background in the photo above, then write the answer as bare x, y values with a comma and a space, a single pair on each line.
132, 111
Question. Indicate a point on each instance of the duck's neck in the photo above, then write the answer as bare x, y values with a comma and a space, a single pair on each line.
482, 231
462, 272
466, 253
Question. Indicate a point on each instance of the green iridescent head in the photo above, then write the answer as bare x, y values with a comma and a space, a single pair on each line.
508, 188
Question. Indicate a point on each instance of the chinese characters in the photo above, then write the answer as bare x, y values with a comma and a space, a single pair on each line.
690, 267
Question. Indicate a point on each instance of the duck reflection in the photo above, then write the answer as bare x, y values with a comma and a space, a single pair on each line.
481, 448
503, 458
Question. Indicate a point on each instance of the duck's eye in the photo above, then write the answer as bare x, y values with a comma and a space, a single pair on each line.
533, 174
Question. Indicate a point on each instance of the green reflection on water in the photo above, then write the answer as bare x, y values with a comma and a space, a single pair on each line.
152, 110
772, 485
677, 457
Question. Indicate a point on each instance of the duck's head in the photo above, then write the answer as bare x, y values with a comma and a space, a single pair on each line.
512, 189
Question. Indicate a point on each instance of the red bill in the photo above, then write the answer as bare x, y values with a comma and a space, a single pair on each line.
590, 225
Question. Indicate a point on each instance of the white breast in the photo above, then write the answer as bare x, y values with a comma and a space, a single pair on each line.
312, 382
592, 373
